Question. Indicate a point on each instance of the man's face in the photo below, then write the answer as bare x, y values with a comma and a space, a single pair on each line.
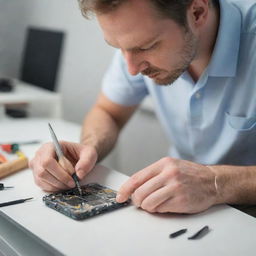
152, 45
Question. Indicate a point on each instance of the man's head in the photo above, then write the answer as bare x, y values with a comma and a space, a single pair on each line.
158, 38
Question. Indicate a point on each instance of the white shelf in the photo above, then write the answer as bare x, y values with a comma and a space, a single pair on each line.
40, 100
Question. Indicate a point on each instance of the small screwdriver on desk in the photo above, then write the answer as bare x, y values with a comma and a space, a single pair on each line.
2, 187
19, 201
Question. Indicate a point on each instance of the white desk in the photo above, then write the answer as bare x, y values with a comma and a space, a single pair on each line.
127, 231
41, 101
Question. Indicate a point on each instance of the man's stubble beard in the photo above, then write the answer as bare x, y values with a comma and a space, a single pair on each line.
188, 53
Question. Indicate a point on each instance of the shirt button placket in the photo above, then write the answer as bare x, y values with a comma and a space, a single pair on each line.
198, 95
196, 113
196, 109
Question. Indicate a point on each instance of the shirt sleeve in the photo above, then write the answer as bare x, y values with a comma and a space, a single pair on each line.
121, 87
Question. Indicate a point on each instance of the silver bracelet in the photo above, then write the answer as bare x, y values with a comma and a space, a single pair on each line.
215, 179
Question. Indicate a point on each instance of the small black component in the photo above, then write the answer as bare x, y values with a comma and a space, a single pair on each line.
16, 111
2, 187
178, 233
199, 234
95, 199
5, 85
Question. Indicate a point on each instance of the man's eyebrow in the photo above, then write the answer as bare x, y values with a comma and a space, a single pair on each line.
110, 43
137, 47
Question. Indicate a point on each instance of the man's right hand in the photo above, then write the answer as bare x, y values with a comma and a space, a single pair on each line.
48, 173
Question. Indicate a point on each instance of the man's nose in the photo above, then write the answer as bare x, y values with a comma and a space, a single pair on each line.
135, 63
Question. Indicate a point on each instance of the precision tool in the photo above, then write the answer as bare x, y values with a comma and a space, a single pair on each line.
64, 162
199, 234
2, 186
14, 146
178, 233
15, 202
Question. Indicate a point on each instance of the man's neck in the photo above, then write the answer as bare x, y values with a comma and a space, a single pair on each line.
206, 45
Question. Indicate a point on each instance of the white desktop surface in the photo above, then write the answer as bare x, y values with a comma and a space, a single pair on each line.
127, 231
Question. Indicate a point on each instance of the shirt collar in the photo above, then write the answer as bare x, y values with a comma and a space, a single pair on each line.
225, 54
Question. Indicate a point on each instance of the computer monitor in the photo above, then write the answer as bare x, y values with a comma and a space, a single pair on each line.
41, 57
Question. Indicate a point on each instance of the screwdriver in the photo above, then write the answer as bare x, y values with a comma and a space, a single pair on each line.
14, 146
19, 201
63, 160
2, 186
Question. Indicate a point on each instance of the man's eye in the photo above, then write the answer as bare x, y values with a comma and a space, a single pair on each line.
147, 49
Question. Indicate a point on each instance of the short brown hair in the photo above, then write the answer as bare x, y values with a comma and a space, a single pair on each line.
173, 9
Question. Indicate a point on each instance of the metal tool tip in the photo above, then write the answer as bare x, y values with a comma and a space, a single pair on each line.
29, 198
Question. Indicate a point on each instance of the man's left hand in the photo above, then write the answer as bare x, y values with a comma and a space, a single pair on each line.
171, 185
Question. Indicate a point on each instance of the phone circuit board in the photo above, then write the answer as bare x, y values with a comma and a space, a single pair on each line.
95, 199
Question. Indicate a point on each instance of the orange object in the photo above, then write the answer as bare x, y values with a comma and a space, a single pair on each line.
2, 159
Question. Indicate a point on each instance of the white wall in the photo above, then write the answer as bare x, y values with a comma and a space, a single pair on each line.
85, 54
13, 19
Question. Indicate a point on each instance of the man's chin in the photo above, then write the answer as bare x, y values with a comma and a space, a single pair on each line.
170, 79
164, 81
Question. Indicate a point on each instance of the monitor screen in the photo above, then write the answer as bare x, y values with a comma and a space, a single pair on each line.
41, 57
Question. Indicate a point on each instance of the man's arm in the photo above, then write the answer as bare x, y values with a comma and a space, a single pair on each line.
103, 123
174, 185
235, 184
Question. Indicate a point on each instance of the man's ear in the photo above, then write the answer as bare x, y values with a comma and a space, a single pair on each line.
197, 13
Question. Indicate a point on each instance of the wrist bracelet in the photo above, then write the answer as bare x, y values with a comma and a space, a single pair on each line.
216, 184
215, 179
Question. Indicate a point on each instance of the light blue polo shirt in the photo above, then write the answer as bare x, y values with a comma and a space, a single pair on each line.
212, 121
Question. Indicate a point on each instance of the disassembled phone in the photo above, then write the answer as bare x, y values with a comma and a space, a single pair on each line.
95, 199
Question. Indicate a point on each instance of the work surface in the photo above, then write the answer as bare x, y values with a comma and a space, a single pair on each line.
127, 231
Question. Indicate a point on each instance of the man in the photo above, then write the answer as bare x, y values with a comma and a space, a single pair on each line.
197, 60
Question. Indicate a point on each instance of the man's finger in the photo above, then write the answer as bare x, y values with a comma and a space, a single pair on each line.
56, 183
48, 187
53, 167
146, 189
134, 182
46, 151
45, 176
155, 199
174, 205
44, 184
87, 160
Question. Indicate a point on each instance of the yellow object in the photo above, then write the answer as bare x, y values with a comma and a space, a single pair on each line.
20, 154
